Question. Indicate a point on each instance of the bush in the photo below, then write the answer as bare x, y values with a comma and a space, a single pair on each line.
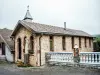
21, 64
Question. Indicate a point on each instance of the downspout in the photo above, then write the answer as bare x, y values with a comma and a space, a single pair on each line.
40, 47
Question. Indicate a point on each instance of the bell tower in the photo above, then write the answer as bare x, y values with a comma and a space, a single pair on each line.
28, 16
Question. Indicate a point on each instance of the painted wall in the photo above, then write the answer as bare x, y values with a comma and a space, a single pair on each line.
9, 56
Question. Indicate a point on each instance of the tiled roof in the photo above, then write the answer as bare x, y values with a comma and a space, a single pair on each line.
48, 29
5, 33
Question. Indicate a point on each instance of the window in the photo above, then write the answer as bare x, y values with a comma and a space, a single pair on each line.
24, 44
31, 45
31, 41
63, 43
90, 42
72, 42
79, 42
19, 48
51, 43
85, 42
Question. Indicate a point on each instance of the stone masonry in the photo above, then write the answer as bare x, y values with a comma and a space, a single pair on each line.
42, 44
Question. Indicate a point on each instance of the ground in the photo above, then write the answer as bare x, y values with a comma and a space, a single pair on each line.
12, 69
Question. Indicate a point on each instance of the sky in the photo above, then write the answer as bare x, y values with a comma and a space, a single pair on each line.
78, 14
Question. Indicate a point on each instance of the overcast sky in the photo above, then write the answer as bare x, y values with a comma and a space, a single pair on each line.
78, 14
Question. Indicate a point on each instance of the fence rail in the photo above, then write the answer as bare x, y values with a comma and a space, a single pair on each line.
90, 57
67, 57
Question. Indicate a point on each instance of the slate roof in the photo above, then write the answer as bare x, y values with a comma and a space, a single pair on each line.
48, 29
5, 33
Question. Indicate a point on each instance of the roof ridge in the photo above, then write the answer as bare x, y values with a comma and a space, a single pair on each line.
37, 27
51, 25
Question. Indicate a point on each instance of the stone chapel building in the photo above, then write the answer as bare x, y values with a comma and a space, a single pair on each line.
35, 39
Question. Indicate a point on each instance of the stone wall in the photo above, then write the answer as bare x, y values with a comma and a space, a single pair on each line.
68, 44
45, 47
76, 41
42, 42
21, 33
88, 48
57, 43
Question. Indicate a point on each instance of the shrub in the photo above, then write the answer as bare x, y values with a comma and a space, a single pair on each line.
21, 64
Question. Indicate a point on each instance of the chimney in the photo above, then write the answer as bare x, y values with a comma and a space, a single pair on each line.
65, 25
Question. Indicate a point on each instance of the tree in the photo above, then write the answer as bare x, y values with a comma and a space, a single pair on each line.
97, 44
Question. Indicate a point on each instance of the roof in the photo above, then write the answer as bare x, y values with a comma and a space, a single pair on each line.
1, 40
48, 29
5, 33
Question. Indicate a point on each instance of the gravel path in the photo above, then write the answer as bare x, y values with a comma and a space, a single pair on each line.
12, 69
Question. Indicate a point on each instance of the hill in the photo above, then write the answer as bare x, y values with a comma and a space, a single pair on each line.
97, 37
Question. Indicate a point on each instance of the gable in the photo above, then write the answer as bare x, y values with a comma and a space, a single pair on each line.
19, 28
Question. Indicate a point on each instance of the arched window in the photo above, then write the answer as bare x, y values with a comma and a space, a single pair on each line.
24, 43
31, 51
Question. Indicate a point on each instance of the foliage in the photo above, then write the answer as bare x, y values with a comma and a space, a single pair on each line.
21, 64
97, 43
97, 39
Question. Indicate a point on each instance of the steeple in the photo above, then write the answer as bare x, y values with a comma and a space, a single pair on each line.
28, 16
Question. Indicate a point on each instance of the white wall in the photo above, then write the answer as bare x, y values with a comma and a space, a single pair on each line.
8, 54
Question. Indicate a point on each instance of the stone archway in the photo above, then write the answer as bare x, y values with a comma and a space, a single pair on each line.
19, 48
